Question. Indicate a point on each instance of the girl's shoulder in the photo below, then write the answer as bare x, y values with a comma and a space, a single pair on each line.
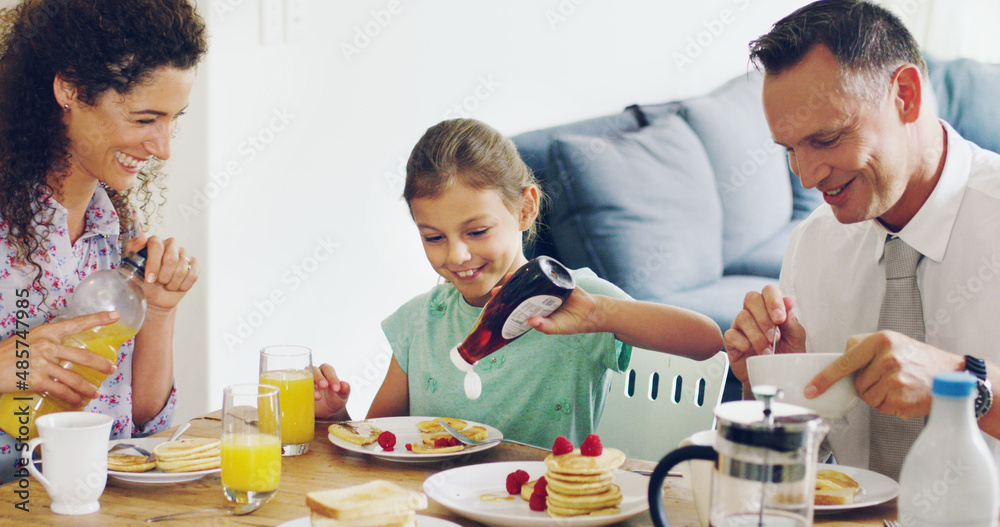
439, 295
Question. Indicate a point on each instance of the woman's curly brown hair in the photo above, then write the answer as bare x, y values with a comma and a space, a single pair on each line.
97, 45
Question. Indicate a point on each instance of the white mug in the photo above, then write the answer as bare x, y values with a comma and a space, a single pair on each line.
699, 475
74, 459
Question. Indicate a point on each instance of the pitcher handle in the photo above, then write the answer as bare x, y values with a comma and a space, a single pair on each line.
687, 453
26, 459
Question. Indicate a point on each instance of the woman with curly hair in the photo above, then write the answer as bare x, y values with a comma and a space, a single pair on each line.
90, 91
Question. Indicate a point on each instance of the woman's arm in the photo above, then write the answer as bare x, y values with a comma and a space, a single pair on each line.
170, 274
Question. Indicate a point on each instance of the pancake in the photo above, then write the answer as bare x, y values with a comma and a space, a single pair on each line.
431, 425
575, 463
359, 433
195, 448
423, 448
190, 465
473, 432
122, 462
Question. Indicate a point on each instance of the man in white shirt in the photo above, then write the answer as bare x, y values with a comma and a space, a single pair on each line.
846, 93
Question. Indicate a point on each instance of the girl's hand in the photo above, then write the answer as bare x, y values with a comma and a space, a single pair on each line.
331, 394
579, 313
170, 271
44, 355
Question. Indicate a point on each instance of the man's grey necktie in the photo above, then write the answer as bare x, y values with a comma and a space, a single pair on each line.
892, 437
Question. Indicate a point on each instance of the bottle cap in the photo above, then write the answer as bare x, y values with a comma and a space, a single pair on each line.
954, 384
137, 259
473, 384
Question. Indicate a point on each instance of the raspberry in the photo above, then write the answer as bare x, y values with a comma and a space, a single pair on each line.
541, 487
592, 446
562, 445
454, 442
387, 440
515, 480
537, 502
409, 446
442, 442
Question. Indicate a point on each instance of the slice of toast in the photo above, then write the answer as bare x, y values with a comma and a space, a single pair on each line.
359, 433
375, 498
835, 488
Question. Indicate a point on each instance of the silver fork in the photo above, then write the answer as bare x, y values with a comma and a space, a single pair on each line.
890, 523
142, 451
475, 442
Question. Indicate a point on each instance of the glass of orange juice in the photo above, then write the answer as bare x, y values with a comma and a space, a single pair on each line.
289, 368
251, 443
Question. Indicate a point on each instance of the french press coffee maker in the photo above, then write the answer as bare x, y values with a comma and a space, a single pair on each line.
765, 464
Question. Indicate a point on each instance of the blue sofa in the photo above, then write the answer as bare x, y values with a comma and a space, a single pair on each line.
689, 202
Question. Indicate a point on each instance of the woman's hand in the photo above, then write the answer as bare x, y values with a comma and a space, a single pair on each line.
331, 394
170, 270
45, 353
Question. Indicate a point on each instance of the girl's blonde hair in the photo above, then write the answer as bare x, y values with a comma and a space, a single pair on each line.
470, 152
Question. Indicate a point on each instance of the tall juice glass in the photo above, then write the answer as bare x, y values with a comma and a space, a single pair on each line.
251, 443
289, 368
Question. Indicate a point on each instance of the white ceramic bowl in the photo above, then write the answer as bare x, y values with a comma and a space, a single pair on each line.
792, 371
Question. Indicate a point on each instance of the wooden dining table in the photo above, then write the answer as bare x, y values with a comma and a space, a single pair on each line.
328, 466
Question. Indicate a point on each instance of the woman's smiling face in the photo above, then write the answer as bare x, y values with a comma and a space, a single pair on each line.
115, 138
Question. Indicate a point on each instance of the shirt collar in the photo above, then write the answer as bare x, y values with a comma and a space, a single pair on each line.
100, 218
930, 228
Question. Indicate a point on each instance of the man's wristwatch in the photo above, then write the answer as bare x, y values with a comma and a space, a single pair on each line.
984, 400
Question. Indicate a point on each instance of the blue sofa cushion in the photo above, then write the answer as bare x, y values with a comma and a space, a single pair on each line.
965, 91
639, 208
751, 171
721, 300
534, 148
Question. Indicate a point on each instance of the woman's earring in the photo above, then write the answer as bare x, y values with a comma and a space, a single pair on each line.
66, 107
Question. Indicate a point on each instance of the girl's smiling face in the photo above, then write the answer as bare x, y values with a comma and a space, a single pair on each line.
113, 140
471, 238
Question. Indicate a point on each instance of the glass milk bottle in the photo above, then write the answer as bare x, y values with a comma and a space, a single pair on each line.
949, 477
539, 287
112, 290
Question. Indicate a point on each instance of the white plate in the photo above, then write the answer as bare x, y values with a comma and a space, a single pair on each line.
406, 431
422, 521
459, 489
875, 488
156, 475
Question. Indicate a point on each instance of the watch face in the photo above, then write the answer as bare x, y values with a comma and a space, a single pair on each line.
984, 398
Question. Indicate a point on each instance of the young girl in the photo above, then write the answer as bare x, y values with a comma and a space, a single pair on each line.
475, 203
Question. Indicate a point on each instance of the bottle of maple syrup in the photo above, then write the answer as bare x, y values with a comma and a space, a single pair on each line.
539, 287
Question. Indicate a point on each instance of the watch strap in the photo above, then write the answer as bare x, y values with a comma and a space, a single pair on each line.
975, 366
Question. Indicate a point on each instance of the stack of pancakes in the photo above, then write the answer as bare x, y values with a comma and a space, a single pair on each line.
188, 455
580, 485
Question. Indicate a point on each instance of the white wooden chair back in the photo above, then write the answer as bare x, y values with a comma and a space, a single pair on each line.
660, 400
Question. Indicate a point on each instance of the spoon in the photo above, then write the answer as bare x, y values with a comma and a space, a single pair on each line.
240, 510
